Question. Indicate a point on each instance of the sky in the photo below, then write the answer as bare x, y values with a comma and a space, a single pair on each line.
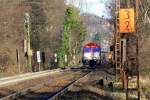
96, 7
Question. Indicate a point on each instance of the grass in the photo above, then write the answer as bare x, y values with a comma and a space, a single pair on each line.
145, 87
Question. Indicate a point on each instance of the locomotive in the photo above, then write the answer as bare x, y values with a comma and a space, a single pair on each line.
91, 54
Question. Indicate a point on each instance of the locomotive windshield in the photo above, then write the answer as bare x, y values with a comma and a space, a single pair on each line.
96, 49
87, 49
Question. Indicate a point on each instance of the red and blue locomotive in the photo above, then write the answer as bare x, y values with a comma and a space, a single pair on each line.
91, 54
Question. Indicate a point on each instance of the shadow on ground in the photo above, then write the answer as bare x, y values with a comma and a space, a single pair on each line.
84, 95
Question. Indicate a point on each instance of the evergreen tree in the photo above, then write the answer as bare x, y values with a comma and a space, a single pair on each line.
72, 23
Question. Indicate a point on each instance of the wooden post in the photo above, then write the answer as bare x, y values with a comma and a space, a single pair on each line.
128, 3
137, 48
137, 9
138, 76
39, 66
18, 59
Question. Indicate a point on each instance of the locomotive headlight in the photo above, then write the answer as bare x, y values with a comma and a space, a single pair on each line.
94, 58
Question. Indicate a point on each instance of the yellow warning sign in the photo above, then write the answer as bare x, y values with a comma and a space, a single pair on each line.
126, 20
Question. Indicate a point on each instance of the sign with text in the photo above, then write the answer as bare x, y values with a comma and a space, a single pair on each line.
126, 20
38, 56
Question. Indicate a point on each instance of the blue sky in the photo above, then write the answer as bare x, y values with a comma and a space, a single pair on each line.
96, 7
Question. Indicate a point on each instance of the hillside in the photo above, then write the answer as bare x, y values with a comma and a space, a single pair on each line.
47, 18
98, 26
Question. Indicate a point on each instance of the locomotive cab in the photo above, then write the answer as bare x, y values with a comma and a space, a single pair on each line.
91, 54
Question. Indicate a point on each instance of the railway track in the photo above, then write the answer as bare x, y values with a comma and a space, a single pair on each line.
50, 89
58, 95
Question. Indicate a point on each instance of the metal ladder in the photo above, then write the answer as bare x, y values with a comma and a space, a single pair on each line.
117, 41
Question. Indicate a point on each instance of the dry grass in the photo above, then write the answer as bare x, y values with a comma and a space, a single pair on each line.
145, 87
